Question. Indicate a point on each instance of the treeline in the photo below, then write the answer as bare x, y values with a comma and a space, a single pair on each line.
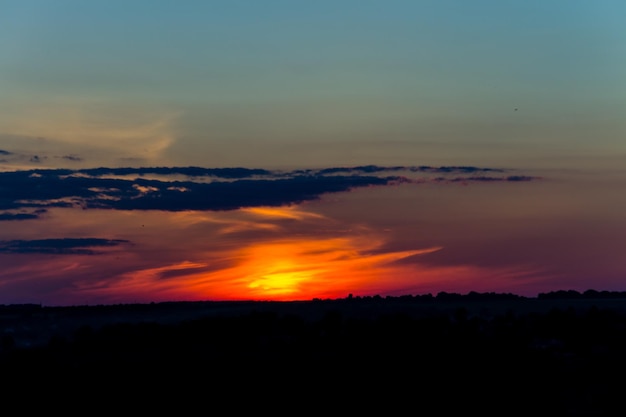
559, 361
441, 296
494, 296
588, 294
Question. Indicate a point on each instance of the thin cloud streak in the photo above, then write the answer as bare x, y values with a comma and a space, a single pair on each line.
62, 246
96, 130
282, 212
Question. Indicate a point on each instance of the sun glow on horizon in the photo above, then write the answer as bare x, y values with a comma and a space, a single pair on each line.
308, 268
271, 254
281, 270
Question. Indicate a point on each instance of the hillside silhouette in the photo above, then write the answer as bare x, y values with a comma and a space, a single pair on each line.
560, 353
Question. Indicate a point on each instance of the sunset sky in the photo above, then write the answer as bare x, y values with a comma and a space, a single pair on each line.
290, 150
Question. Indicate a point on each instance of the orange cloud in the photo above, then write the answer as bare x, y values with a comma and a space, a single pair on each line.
315, 268
282, 212
284, 269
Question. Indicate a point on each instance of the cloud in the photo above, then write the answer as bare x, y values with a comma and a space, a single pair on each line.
463, 169
8, 216
62, 246
17, 216
72, 158
18, 159
511, 178
376, 169
188, 171
520, 178
228, 188
46, 188
285, 213
97, 129
300, 267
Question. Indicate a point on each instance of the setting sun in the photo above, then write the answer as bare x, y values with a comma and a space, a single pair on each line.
280, 270
302, 269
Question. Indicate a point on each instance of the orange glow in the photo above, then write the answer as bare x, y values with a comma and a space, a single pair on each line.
297, 269
283, 212
278, 254
289, 269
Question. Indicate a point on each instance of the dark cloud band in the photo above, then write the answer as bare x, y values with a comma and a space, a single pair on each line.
64, 246
229, 189
18, 216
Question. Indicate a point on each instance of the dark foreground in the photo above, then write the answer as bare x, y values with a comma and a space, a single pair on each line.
561, 354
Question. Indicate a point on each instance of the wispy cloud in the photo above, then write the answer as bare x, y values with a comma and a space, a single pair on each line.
511, 178
75, 246
35, 214
72, 158
53, 133
282, 212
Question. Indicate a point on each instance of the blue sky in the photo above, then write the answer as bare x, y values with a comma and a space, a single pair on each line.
346, 80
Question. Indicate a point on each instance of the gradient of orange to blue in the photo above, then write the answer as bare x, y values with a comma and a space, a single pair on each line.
530, 89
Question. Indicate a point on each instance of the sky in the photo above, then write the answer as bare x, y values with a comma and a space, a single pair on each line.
291, 150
